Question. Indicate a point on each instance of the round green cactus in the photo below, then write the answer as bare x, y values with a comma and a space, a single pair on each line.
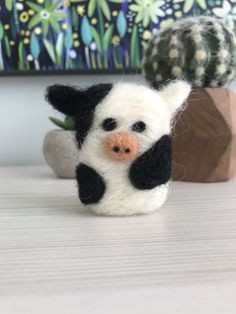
201, 50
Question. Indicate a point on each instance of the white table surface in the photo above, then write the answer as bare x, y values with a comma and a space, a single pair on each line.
58, 258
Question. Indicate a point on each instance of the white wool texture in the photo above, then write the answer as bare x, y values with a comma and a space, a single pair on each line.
129, 103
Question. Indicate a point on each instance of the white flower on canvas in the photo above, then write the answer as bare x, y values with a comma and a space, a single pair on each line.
147, 10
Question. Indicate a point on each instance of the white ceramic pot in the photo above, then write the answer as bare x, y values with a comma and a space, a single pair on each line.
61, 153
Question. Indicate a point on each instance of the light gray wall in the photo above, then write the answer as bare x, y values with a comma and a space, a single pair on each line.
24, 114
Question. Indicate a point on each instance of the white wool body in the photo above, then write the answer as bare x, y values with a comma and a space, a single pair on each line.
128, 103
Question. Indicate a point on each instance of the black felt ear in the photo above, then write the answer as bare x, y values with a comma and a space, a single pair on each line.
95, 93
80, 103
63, 98
70, 100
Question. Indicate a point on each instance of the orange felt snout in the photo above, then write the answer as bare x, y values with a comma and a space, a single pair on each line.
121, 146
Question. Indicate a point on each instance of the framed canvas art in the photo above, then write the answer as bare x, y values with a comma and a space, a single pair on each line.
66, 36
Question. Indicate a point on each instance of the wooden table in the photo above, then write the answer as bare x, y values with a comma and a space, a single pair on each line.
58, 258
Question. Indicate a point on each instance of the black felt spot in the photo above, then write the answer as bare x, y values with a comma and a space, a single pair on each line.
84, 114
153, 168
109, 124
91, 185
139, 126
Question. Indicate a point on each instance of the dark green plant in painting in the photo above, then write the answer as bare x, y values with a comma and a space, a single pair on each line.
90, 35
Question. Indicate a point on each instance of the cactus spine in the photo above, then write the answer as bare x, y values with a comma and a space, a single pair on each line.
201, 50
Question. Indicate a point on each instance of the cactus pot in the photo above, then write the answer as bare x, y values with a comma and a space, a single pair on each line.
204, 137
61, 153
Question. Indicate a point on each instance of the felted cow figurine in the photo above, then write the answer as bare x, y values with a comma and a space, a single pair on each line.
123, 134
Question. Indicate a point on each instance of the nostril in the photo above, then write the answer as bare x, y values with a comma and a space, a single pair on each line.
127, 150
116, 149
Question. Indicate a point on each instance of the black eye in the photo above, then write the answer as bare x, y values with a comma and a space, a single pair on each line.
139, 126
109, 124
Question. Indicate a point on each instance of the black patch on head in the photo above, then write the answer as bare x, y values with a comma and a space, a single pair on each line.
91, 185
139, 127
109, 124
84, 114
80, 103
153, 168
